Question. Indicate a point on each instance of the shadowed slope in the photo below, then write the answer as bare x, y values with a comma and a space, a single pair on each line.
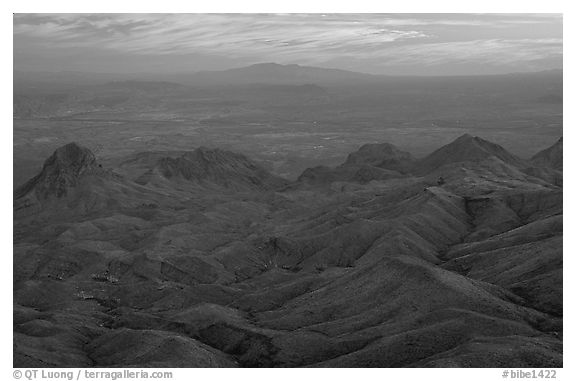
550, 157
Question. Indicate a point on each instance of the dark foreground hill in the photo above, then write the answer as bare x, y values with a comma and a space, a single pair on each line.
204, 259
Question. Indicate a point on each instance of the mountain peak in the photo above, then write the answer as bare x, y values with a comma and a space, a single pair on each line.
60, 171
71, 156
550, 157
467, 148
271, 64
466, 137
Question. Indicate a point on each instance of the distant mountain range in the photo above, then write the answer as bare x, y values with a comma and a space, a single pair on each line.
260, 73
48, 95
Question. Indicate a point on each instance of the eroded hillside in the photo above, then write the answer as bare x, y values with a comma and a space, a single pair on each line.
204, 259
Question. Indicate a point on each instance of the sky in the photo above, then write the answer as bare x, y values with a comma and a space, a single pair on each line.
390, 44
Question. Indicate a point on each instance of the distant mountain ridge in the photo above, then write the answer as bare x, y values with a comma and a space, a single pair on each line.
272, 73
91, 78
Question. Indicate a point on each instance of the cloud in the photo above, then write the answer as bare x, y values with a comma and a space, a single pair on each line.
230, 34
492, 51
301, 38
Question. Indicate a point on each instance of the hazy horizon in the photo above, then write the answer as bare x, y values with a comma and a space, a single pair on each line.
262, 63
382, 44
